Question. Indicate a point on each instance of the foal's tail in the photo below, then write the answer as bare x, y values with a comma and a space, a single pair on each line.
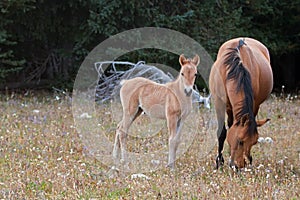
122, 82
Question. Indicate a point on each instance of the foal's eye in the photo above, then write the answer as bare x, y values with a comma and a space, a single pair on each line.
182, 74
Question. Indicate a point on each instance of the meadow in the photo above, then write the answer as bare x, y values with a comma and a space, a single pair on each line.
42, 156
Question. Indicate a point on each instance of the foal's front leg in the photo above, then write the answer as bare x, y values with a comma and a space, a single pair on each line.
174, 126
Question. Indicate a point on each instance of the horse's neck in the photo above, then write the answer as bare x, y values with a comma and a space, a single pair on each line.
237, 103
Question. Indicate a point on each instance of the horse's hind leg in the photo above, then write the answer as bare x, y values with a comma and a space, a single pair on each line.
221, 139
221, 133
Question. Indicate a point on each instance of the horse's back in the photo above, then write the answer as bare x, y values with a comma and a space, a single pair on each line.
255, 57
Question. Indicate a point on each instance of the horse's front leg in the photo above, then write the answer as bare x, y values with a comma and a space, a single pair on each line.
174, 126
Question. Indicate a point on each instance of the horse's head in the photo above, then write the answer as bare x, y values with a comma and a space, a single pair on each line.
188, 72
241, 137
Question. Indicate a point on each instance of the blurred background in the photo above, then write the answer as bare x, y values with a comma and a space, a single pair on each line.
43, 42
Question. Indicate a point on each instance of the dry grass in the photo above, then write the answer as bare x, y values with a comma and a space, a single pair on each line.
42, 157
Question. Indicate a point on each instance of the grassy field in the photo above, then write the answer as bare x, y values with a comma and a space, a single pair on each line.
43, 157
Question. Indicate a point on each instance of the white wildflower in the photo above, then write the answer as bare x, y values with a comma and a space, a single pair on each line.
268, 140
261, 140
133, 176
85, 116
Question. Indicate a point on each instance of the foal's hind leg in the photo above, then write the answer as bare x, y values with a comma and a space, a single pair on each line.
121, 133
116, 150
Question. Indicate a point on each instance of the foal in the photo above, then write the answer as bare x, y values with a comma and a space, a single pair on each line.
171, 101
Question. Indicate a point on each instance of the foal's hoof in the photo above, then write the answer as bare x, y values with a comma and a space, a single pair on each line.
113, 172
171, 166
124, 165
219, 161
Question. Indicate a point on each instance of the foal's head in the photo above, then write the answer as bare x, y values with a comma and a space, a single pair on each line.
188, 72
241, 137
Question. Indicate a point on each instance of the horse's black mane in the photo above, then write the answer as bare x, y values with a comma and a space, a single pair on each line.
241, 75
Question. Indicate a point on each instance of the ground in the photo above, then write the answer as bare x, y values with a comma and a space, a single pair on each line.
43, 157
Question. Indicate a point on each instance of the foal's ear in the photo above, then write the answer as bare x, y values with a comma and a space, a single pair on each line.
262, 122
196, 60
182, 60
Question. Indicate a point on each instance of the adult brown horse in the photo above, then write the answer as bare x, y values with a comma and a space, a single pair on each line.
240, 80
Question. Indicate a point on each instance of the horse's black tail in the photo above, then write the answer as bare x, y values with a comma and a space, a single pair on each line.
241, 43
237, 71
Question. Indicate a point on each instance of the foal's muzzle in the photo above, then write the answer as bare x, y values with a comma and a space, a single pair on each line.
188, 91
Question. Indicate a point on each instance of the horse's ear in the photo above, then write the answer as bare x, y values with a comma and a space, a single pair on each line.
196, 60
262, 122
244, 119
182, 60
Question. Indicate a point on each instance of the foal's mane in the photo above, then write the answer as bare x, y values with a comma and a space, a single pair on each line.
242, 77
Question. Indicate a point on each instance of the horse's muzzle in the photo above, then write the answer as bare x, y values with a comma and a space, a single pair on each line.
188, 92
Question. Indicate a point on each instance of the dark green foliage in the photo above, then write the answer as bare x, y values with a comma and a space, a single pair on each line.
46, 40
9, 63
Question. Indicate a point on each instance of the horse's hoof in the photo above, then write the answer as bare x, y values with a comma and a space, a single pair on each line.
250, 159
219, 161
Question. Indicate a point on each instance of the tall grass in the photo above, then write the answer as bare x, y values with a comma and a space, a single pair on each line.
42, 157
